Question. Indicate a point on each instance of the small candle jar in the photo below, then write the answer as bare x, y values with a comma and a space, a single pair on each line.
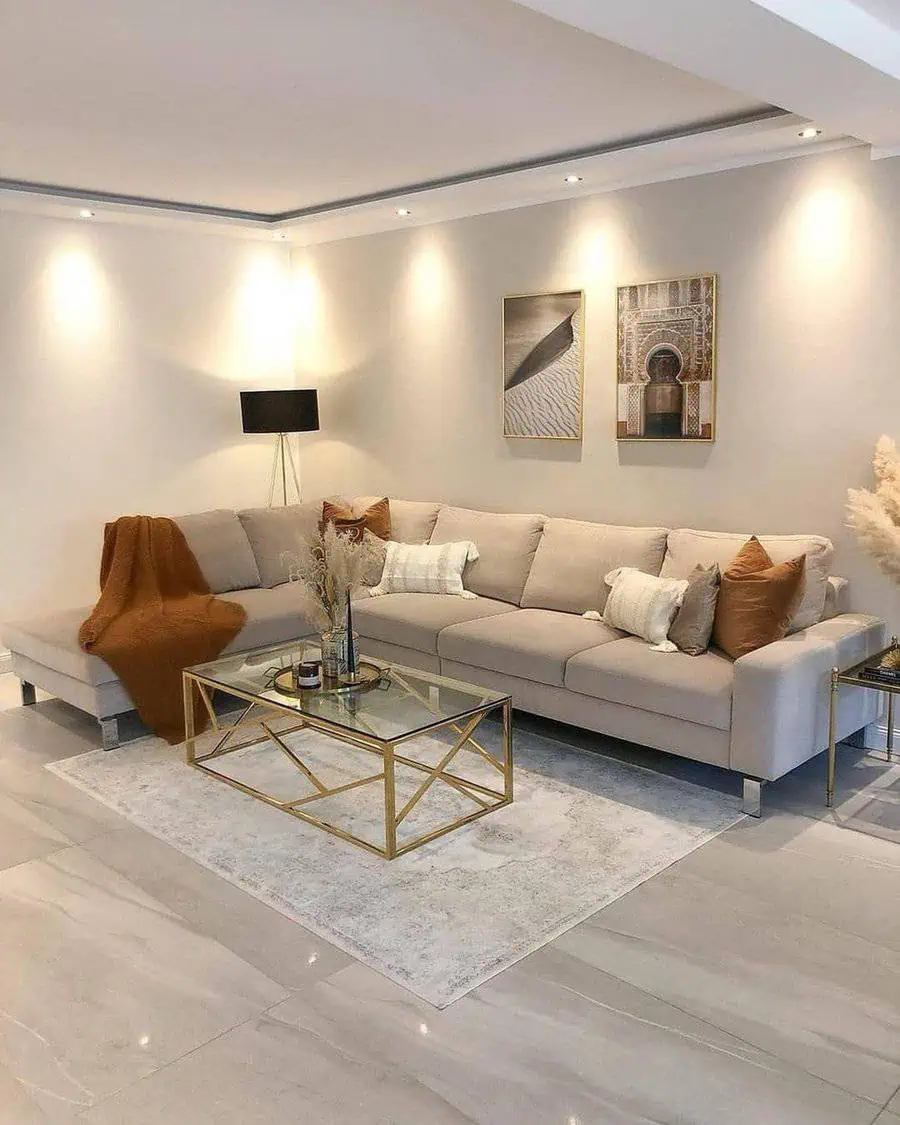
308, 674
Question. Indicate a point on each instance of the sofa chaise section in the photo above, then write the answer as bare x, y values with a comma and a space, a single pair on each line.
45, 650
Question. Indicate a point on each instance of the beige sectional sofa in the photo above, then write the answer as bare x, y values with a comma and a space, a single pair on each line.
760, 716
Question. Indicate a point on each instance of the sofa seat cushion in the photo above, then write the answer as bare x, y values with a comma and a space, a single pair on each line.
273, 616
573, 557
533, 644
695, 688
415, 620
222, 549
53, 642
506, 546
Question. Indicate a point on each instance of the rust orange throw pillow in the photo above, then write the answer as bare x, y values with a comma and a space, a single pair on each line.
376, 518
756, 599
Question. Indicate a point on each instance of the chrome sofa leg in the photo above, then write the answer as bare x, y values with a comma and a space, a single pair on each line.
109, 730
29, 696
752, 796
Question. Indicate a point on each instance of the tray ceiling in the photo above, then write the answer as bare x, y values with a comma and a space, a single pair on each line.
281, 105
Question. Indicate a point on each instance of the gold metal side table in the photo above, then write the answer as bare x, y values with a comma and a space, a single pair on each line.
852, 676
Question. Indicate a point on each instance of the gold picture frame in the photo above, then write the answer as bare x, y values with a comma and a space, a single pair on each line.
666, 360
543, 365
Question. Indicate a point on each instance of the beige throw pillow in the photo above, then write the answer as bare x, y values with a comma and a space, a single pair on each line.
643, 605
411, 568
693, 625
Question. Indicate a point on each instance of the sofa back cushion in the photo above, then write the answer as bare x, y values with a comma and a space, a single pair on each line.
412, 521
272, 531
222, 549
573, 557
687, 547
506, 546
837, 597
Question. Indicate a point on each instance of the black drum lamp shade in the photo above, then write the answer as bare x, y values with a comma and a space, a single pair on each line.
279, 412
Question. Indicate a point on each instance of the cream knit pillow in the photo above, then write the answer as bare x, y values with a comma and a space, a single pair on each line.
643, 605
411, 568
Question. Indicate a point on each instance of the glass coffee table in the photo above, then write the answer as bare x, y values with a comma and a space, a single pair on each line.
397, 708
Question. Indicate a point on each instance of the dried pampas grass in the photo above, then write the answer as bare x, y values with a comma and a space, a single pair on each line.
327, 567
875, 516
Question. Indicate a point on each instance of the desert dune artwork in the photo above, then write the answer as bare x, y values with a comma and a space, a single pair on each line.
543, 365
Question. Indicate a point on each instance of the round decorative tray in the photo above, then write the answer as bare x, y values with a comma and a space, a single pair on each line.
368, 676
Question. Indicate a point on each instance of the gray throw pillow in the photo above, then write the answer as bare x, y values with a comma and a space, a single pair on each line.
693, 625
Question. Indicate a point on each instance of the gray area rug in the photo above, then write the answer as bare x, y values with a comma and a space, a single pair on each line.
583, 830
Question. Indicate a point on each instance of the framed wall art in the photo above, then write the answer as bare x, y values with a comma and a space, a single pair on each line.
666, 360
543, 365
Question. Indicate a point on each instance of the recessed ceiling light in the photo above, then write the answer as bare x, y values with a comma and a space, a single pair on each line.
810, 132
403, 212
85, 213
574, 179
279, 235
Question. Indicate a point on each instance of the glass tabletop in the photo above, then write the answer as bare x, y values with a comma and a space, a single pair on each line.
865, 672
405, 702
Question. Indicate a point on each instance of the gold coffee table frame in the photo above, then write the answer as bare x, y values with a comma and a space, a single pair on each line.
263, 712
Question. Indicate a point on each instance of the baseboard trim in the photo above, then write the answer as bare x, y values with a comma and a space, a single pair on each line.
876, 737
5, 661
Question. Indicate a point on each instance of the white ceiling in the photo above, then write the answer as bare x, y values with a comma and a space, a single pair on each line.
272, 106
275, 105
829, 60
888, 11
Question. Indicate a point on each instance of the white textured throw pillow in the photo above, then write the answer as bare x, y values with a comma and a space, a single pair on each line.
411, 568
643, 605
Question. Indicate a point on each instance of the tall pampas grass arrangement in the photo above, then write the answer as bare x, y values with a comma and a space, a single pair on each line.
329, 568
875, 516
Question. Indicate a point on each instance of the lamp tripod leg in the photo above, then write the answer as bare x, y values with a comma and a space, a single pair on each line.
294, 474
281, 444
273, 475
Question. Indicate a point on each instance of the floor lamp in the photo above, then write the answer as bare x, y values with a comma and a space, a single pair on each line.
281, 413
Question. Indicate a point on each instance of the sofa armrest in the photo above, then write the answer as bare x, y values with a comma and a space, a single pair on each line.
779, 714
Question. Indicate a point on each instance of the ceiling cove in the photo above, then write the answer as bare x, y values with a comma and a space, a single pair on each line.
85, 195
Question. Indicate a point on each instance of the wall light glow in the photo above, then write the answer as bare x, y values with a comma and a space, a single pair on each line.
265, 332
430, 281
592, 252
327, 336
823, 230
309, 321
77, 296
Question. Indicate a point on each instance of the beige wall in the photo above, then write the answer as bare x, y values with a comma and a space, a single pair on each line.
401, 332
121, 355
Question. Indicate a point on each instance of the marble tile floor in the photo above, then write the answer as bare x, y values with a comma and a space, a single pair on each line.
757, 980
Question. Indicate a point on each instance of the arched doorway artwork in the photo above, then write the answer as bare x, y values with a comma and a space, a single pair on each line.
666, 360
664, 394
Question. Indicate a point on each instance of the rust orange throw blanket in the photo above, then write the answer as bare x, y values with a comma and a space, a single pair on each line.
156, 617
